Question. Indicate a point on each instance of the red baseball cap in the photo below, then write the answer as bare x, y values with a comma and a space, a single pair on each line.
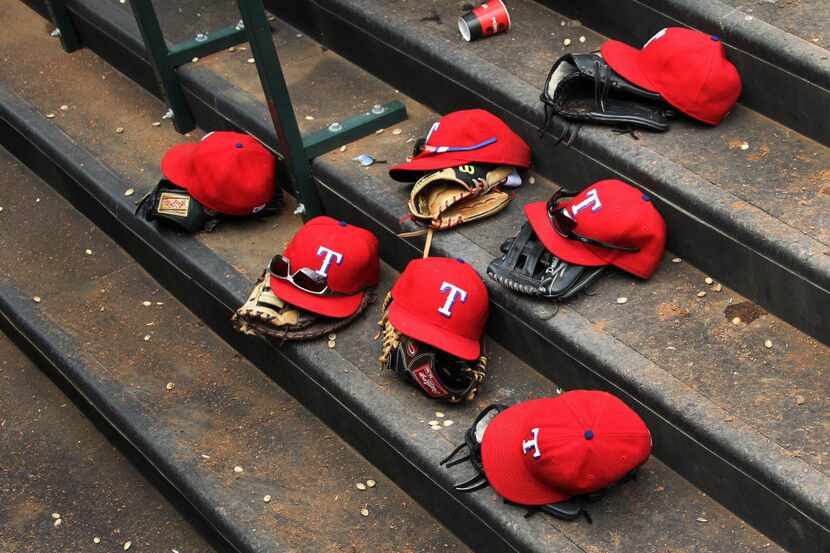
609, 211
228, 172
687, 68
441, 302
548, 450
461, 137
347, 255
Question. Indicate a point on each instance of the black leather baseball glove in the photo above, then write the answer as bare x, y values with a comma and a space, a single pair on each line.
583, 88
528, 268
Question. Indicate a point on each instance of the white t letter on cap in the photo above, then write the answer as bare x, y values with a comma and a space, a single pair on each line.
533, 444
330, 255
432, 129
591, 198
455, 292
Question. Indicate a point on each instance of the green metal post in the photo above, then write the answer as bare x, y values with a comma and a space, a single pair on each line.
290, 141
353, 128
206, 44
63, 21
148, 24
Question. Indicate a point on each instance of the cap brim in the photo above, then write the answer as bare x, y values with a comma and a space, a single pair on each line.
503, 459
407, 323
572, 251
176, 165
329, 306
625, 60
416, 168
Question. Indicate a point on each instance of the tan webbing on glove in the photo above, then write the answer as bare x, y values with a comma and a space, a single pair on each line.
265, 314
456, 195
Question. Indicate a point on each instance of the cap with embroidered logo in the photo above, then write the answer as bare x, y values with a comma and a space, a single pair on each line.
611, 212
548, 450
228, 172
462, 137
346, 255
689, 69
441, 302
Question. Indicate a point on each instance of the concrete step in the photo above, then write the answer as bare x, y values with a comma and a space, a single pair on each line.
70, 483
754, 218
184, 400
717, 444
224, 409
806, 19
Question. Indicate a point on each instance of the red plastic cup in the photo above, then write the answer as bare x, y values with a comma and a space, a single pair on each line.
488, 19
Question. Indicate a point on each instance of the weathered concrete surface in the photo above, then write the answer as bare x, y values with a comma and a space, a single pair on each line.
269, 435
807, 19
622, 526
55, 461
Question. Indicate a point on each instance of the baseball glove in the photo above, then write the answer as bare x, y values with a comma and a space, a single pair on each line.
265, 314
450, 197
472, 441
528, 268
439, 374
169, 203
583, 88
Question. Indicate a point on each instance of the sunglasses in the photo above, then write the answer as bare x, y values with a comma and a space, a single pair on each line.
306, 279
565, 225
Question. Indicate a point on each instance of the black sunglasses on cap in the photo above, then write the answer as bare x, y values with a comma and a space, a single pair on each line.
305, 278
564, 225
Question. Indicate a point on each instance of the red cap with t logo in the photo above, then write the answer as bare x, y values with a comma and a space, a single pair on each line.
611, 212
228, 172
548, 450
441, 302
687, 68
346, 255
461, 137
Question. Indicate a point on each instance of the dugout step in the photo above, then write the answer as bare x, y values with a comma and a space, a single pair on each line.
145, 144
746, 201
70, 482
755, 222
256, 464
223, 408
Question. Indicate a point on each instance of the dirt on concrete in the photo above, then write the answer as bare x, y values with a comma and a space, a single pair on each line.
65, 486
